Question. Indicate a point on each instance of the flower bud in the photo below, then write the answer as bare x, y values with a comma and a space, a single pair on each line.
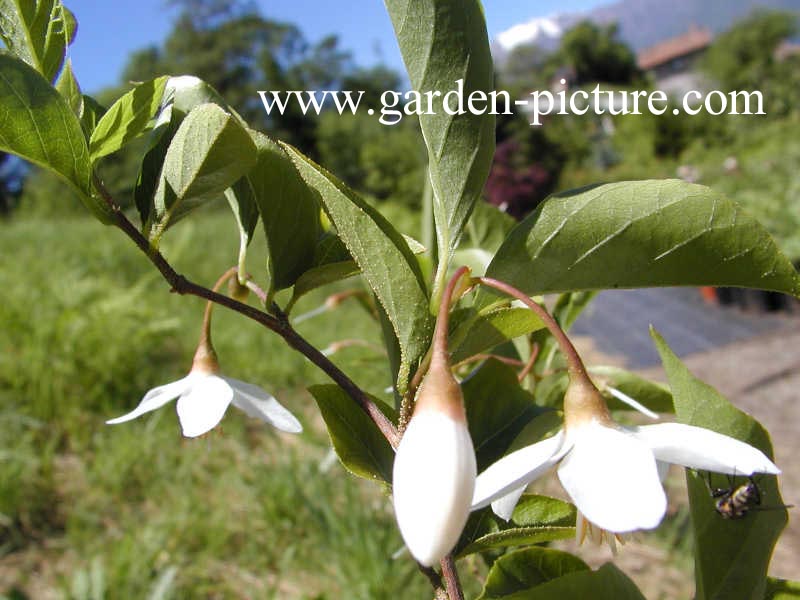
237, 291
434, 469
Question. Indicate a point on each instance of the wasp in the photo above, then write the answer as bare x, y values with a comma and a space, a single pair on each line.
735, 502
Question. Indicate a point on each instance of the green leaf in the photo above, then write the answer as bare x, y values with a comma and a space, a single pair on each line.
289, 211
127, 118
653, 395
476, 332
497, 410
317, 277
37, 124
641, 234
534, 510
781, 589
188, 92
38, 32
443, 41
149, 176
517, 536
607, 583
384, 257
731, 556
92, 112
68, 87
358, 443
181, 95
534, 517
526, 569
489, 227
209, 153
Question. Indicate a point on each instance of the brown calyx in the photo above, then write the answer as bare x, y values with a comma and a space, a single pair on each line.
440, 391
205, 358
583, 404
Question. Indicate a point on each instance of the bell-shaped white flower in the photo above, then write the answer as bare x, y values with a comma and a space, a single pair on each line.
434, 478
434, 468
204, 395
611, 472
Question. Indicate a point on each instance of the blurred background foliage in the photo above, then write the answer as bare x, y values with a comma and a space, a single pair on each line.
90, 511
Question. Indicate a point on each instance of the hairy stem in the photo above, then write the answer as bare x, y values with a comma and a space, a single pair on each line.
281, 326
438, 348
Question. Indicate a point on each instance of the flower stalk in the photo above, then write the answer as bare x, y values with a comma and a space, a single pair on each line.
434, 468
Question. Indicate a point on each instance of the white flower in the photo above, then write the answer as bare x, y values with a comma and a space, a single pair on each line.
433, 482
434, 468
611, 472
203, 397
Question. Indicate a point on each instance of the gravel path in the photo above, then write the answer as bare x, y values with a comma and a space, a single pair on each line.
618, 321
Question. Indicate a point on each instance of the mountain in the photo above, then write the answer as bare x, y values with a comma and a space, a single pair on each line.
642, 23
542, 31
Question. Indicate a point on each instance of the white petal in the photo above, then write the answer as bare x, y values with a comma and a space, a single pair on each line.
663, 470
259, 404
517, 470
504, 506
612, 479
703, 449
203, 406
433, 481
156, 398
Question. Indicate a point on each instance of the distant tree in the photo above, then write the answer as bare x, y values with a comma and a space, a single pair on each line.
233, 47
373, 81
385, 162
595, 54
743, 58
529, 67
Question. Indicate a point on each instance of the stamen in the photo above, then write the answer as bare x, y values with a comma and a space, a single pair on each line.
580, 529
610, 538
631, 402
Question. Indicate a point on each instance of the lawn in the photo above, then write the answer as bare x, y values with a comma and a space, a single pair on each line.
135, 511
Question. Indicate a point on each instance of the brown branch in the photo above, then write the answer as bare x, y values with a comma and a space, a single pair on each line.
435, 580
450, 576
281, 326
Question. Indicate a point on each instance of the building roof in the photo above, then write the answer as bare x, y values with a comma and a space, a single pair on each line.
696, 38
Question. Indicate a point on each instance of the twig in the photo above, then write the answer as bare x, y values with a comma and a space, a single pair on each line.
281, 326
450, 576
529, 365
435, 580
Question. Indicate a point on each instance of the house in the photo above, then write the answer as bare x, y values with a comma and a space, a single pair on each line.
673, 62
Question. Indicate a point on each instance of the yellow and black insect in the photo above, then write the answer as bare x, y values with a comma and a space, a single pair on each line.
735, 502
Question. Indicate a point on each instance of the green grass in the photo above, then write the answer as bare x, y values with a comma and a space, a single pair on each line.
135, 511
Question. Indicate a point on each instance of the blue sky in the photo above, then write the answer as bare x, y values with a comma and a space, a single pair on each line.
110, 30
